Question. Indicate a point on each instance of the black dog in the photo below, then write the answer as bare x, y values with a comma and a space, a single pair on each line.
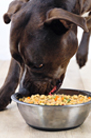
43, 39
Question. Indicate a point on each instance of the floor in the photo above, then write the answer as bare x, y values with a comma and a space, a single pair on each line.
12, 124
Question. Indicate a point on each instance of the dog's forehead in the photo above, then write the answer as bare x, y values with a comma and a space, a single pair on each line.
41, 7
36, 9
46, 4
34, 12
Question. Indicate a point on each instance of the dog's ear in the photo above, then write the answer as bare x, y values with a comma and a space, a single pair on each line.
66, 18
13, 8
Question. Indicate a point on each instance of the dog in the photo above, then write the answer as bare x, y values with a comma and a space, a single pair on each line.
43, 39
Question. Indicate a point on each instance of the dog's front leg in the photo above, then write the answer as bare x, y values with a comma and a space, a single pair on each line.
10, 84
82, 53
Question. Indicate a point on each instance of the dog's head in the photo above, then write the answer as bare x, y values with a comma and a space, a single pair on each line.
43, 38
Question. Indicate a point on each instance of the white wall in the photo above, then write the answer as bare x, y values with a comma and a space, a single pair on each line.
4, 32
5, 29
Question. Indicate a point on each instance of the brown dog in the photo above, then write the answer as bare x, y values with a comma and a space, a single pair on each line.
43, 39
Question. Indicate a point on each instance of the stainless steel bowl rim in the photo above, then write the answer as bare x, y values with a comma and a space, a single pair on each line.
13, 97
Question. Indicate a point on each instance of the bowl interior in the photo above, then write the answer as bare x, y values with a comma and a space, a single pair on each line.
71, 92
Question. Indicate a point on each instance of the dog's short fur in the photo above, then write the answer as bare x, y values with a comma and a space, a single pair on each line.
43, 39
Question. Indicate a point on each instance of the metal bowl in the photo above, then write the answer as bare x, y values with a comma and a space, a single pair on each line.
59, 117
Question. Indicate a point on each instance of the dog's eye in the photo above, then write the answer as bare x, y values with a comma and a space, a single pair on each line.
38, 66
35, 65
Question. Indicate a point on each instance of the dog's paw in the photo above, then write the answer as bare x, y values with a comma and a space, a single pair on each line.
4, 100
81, 58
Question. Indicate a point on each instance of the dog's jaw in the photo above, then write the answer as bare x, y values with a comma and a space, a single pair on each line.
59, 72
56, 87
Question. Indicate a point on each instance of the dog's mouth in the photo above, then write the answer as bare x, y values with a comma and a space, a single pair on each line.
57, 86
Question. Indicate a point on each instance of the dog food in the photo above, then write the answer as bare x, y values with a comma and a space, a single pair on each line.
56, 99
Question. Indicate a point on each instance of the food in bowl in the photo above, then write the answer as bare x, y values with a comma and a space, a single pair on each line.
56, 99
